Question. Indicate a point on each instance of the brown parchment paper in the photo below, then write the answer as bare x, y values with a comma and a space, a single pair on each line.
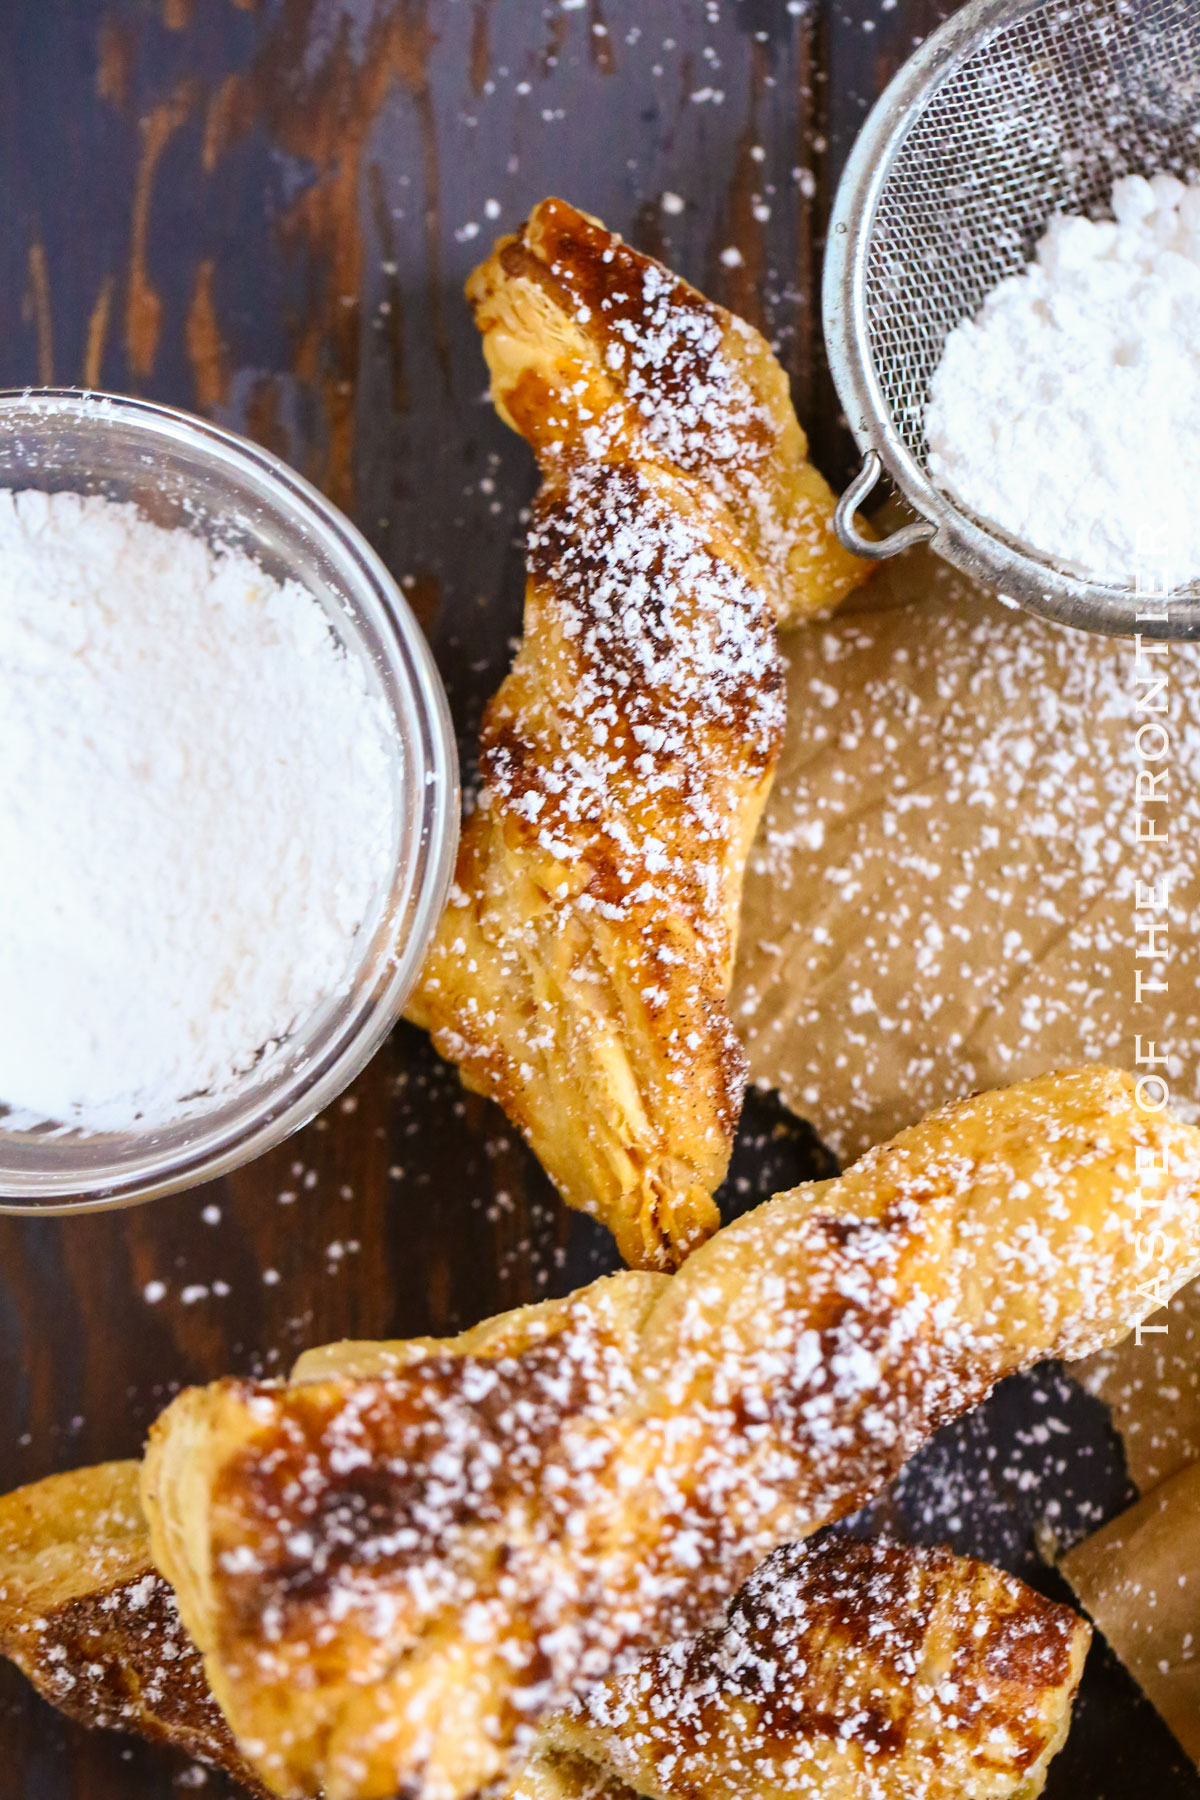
941, 897
1153, 1391
1139, 1579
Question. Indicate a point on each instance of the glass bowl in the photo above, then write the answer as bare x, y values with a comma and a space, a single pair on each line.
181, 471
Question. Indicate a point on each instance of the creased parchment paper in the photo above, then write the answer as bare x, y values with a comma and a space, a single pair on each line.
1153, 1391
941, 896
1139, 1579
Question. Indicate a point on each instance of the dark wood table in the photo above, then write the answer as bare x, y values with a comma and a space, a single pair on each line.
265, 212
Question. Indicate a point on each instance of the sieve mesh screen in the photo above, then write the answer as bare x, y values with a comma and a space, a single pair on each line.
1043, 115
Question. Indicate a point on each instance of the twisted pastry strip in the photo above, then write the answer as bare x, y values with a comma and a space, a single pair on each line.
598, 353
581, 969
87, 1617
395, 1574
843, 1671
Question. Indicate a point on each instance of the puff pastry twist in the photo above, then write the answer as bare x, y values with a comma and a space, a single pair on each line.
399, 1565
843, 1671
580, 973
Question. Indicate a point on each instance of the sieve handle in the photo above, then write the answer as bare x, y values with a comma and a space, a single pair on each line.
848, 534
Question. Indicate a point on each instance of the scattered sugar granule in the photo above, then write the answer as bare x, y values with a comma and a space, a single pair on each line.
196, 811
1068, 410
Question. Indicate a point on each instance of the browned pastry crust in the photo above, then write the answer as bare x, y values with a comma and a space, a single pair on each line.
396, 1576
843, 1671
581, 969
599, 353
87, 1617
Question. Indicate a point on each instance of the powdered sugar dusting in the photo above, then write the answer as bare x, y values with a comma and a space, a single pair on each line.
696, 387
674, 696
942, 894
844, 1667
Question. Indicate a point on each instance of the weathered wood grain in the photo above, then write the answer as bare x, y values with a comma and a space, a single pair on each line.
264, 210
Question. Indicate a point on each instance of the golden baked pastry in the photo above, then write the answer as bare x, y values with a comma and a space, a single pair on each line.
87, 1617
395, 1576
598, 353
580, 973
843, 1671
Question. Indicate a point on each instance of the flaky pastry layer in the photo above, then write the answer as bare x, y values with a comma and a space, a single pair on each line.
396, 1575
843, 1670
581, 970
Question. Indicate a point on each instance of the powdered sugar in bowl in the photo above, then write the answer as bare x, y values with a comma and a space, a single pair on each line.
228, 801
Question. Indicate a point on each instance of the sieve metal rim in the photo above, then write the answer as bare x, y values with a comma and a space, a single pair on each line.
1037, 586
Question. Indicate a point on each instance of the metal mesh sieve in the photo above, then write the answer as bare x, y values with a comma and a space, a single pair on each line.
1013, 110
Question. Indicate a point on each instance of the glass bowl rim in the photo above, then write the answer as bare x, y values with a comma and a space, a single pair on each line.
434, 804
